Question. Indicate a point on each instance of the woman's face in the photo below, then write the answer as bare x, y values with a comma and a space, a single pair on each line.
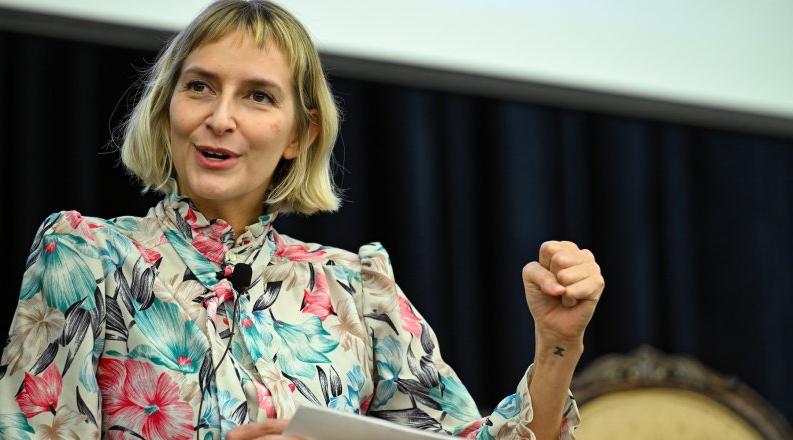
232, 120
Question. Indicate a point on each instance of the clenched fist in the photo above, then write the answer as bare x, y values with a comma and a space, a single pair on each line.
562, 290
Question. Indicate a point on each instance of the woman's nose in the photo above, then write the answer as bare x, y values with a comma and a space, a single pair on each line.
222, 119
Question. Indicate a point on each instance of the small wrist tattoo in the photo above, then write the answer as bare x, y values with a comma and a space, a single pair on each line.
559, 351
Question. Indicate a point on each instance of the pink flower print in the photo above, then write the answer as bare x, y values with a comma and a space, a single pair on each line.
365, 403
296, 252
265, 400
266, 403
75, 220
410, 321
136, 398
212, 249
190, 217
223, 293
40, 393
150, 256
471, 430
317, 302
223, 290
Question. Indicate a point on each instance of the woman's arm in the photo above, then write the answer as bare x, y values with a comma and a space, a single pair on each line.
552, 374
48, 384
562, 290
415, 387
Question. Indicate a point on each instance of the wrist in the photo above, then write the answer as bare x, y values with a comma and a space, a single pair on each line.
557, 350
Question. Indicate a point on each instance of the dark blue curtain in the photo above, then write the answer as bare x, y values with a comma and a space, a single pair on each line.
693, 227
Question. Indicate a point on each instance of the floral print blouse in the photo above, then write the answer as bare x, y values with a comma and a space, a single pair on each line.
138, 327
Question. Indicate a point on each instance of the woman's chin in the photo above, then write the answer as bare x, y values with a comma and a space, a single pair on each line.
205, 189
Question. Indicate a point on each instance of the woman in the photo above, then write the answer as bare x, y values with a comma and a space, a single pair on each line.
200, 321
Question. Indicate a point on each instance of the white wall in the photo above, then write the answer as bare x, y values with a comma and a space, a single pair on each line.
728, 53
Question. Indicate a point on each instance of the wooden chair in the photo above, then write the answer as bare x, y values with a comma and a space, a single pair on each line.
650, 395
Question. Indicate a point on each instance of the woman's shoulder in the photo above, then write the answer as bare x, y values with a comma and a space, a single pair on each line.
367, 255
88, 230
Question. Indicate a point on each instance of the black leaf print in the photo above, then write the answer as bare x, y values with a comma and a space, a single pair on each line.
189, 275
382, 317
426, 339
3, 370
323, 383
425, 372
46, 358
335, 382
429, 373
311, 277
69, 359
569, 408
83, 408
271, 291
115, 320
417, 391
347, 287
412, 417
236, 369
126, 430
97, 313
34, 248
239, 414
182, 225
77, 321
205, 373
122, 287
304, 390
142, 288
33, 258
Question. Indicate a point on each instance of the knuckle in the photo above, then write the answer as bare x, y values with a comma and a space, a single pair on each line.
549, 246
588, 254
569, 244
565, 277
559, 259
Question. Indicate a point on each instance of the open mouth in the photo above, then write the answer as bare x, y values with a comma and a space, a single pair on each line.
215, 156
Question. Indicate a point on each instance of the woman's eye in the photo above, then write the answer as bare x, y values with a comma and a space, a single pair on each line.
196, 86
260, 96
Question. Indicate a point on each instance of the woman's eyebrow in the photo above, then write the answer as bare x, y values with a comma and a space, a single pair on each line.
250, 82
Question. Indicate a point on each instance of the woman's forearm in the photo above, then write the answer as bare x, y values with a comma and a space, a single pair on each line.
552, 373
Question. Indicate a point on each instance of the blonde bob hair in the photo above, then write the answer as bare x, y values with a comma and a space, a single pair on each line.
303, 184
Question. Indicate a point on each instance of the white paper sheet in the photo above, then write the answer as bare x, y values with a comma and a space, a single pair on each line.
316, 423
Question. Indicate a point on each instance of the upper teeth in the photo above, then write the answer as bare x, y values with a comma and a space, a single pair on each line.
214, 155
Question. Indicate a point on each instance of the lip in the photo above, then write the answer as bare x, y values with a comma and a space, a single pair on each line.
216, 150
212, 164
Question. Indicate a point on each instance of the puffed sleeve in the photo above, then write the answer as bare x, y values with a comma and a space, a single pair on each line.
48, 386
413, 385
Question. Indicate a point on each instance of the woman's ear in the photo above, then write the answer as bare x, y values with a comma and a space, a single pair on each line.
293, 149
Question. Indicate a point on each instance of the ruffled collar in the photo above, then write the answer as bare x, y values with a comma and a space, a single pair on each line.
213, 238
